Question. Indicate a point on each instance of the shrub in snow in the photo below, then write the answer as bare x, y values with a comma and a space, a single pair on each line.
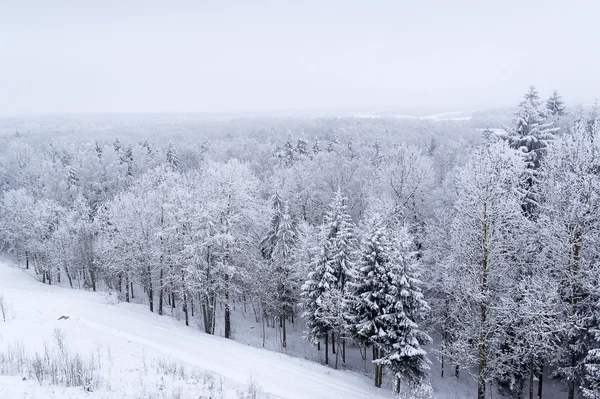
420, 391
6, 310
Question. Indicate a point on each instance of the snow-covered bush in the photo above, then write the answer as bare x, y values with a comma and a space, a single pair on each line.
421, 391
6, 310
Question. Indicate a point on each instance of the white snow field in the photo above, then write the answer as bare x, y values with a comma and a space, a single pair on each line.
140, 349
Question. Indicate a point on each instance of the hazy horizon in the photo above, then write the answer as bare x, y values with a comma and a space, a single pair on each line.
67, 57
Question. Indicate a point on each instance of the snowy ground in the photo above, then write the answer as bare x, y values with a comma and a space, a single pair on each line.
134, 340
144, 355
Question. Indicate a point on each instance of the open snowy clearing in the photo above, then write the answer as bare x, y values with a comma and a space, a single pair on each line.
135, 336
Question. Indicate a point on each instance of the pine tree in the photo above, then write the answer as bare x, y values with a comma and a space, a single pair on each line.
172, 157
555, 105
302, 147
321, 280
370, 291
375, 256
332, 268
287, 154
389, 304
404, 353
341, 239
532, 132
316, 147
592, 368
278, 248
270, 240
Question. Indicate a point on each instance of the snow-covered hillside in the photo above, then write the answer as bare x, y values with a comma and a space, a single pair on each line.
134, 340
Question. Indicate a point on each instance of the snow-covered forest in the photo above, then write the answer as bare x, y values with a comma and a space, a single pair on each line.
400, 242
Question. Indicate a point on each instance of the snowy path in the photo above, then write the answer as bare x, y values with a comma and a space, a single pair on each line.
132, 328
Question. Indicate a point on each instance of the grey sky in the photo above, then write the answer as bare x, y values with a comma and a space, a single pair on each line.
220, 55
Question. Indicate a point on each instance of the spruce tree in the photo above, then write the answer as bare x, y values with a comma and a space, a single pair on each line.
332, 268
278, 249
321, 280
592, 368
404, 338
555, 105
370, 290
389, 304
532, 130
172, 157
341, 240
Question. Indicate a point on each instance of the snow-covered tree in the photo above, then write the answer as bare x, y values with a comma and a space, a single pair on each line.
555, 105
389, 304
321, 280
172, 157
278, 248
569, 220
483, 247
531, 134
341, 241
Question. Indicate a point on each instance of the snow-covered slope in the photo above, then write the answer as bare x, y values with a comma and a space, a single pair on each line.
135, 335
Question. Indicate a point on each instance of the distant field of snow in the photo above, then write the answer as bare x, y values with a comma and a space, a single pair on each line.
444, 116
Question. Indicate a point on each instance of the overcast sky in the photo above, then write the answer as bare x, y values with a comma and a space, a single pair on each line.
219, 55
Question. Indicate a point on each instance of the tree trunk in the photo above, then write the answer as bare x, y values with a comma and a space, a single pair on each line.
363, 355
213, 316
185, 299
574, 300
150, 291
531, 377
337, 352
208, 313
161, 293
571, 394
378, 354
68, 275
376, 367
398, 384
283, 332
541, 381
318, 345
185, 309
326, 348
333, 342
483, 311
26, 259
92, 279
227, 310
381, 354
132, 296
264, 332
344, 351
442, 361
444, 336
